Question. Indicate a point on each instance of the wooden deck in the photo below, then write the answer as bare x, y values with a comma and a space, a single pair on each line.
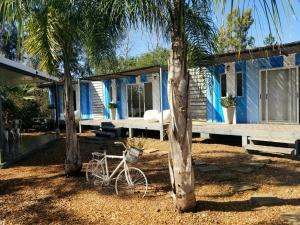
130, 124
286, 132
273, 131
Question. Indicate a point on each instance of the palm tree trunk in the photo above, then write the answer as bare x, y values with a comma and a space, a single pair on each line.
180, 133
73, 162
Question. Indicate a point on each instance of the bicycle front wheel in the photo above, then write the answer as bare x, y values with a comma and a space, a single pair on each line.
131, 181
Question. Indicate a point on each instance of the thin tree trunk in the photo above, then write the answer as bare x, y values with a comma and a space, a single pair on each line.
73, 162
180, 133
1, 132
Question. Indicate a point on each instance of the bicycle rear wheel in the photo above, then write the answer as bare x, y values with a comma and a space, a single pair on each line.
90, 170
95, 172
131, 181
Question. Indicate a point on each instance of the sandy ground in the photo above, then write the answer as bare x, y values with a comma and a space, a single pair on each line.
35, 191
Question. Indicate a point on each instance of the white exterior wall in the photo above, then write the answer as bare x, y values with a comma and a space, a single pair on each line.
155, 91
197, 95
289, 60
97, 99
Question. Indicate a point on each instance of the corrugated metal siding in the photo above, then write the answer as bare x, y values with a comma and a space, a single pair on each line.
98, 99
197, 95
241, 101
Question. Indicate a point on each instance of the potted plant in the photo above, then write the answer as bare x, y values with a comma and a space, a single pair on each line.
228, 105
112, 106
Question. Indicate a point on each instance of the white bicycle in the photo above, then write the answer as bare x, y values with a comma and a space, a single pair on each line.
130, 181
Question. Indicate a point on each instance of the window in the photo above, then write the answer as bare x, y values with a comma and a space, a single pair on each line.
239, 84
148, 96
223, 85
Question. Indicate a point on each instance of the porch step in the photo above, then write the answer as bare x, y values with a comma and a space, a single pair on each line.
267, 139
270, 149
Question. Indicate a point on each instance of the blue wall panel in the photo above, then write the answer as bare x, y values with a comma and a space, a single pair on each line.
144, 78
85, 101
131, 80
106, 96
119, 100
214, 108
165, 90
241, 101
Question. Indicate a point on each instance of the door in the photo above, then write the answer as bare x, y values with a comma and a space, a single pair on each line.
279, 95
139, 99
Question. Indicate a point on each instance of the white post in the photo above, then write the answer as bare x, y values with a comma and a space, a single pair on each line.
231, 82
161, 104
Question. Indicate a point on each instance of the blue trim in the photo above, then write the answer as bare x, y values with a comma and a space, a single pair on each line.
271, 62
106, 89
144, 78
165, 101
85, 104
131, 80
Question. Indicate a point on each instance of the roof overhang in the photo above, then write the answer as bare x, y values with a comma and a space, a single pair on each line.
128, 73
261, 52
14, 73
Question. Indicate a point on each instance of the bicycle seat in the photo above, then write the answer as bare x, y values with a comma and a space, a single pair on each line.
97, 154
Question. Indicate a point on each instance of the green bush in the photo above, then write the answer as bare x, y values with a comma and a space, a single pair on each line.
112, 105
228, 101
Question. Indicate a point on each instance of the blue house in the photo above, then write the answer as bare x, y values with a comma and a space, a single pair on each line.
82, 100
265, 82
134, 92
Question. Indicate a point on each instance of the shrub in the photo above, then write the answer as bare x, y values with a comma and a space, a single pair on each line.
228, 101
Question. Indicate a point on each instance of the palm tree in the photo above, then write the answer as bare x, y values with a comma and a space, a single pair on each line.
58, 32
187, 24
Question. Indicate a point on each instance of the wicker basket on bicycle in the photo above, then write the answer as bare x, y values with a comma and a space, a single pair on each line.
133, 155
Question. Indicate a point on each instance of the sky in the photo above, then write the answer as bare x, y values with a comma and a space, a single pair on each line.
141, 41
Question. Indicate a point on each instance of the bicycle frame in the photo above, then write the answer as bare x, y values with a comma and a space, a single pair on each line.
108, 178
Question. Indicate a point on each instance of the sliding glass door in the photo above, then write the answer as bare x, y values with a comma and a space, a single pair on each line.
279, 95
139, 99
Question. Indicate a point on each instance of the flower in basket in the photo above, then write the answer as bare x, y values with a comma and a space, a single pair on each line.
228, 101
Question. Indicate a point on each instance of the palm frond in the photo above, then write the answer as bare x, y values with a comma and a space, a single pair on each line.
42, 28
200, 31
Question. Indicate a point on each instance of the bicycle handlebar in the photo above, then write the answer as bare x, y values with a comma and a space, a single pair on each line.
120, 143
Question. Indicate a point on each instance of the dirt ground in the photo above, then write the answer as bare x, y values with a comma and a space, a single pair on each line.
35, 191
